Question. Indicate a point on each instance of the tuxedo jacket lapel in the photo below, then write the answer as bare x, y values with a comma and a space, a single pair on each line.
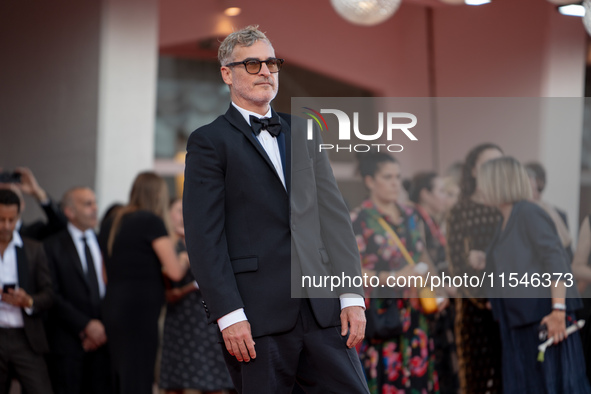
237, 120
70, 248
285, 140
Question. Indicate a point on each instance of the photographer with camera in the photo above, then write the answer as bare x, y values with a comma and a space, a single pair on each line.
23, 181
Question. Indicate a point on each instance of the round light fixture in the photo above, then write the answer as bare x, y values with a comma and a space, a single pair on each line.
562, 2
453, 2
587, 16
233, 11
365, 12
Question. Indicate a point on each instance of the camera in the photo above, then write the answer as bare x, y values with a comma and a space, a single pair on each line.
10, 177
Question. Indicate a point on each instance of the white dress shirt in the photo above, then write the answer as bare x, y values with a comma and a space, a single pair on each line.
95, 250
267, 141
11, 316
271, 146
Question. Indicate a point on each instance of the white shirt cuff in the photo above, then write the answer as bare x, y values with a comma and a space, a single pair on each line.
196, 284
351, 299
231, 318
28, 311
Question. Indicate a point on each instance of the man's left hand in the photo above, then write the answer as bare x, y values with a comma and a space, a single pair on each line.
18, 298
353, 321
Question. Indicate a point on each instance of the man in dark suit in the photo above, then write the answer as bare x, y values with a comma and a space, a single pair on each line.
26, 294
261, 205
79, 361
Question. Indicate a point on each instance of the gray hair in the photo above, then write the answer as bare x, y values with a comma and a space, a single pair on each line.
243, 37
68, 197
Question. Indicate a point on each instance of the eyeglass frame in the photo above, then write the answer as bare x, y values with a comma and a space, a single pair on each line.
279, 62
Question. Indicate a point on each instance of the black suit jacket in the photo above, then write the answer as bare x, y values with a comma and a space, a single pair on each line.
41, 230
73, 308
569, 248
243, 228
34, 278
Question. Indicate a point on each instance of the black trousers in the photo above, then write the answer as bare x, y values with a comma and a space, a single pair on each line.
18, 360
309, 357
81, 373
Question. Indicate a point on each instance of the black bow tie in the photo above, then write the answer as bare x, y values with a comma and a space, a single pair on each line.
272, 125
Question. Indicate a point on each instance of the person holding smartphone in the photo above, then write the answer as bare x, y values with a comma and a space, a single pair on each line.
26, 293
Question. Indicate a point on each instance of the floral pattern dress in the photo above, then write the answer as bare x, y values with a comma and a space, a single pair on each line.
443, 326
404, 364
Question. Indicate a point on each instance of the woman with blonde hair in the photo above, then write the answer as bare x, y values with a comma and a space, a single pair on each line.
137, 251
526, 246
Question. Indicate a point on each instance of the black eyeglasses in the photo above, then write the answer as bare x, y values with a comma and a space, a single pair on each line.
253, 66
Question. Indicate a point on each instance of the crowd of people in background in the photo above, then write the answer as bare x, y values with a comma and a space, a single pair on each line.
91, 302
80, 313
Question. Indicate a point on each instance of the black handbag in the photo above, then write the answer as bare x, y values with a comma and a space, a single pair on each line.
382, 319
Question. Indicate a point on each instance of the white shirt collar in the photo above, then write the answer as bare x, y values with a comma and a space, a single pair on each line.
16, 240
77, 234
246, 113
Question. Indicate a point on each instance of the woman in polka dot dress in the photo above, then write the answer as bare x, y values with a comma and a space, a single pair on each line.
191, 354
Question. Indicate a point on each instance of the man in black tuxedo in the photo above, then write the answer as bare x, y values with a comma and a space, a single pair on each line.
26, 294
260, 205
79, 359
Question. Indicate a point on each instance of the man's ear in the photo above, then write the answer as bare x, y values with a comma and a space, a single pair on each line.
68, 212
226, 75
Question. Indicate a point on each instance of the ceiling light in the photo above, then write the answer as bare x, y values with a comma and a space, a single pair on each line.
233, 11
477, 2
572, 10
365, 12
587, 16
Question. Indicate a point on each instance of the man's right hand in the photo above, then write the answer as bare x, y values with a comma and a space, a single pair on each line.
94, 335
239, 342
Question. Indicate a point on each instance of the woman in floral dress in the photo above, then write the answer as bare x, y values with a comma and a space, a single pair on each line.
403, 364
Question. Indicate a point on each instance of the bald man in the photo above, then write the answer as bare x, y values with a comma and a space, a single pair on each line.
76, 334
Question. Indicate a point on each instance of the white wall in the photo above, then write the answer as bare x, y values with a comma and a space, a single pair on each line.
127, 91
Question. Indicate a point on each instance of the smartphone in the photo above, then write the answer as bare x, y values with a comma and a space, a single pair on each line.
7, 286
10, 177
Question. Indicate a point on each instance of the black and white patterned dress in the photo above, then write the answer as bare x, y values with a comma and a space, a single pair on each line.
191, 355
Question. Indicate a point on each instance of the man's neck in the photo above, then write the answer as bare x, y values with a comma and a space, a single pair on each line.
4, 246
260, 109
78, 227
